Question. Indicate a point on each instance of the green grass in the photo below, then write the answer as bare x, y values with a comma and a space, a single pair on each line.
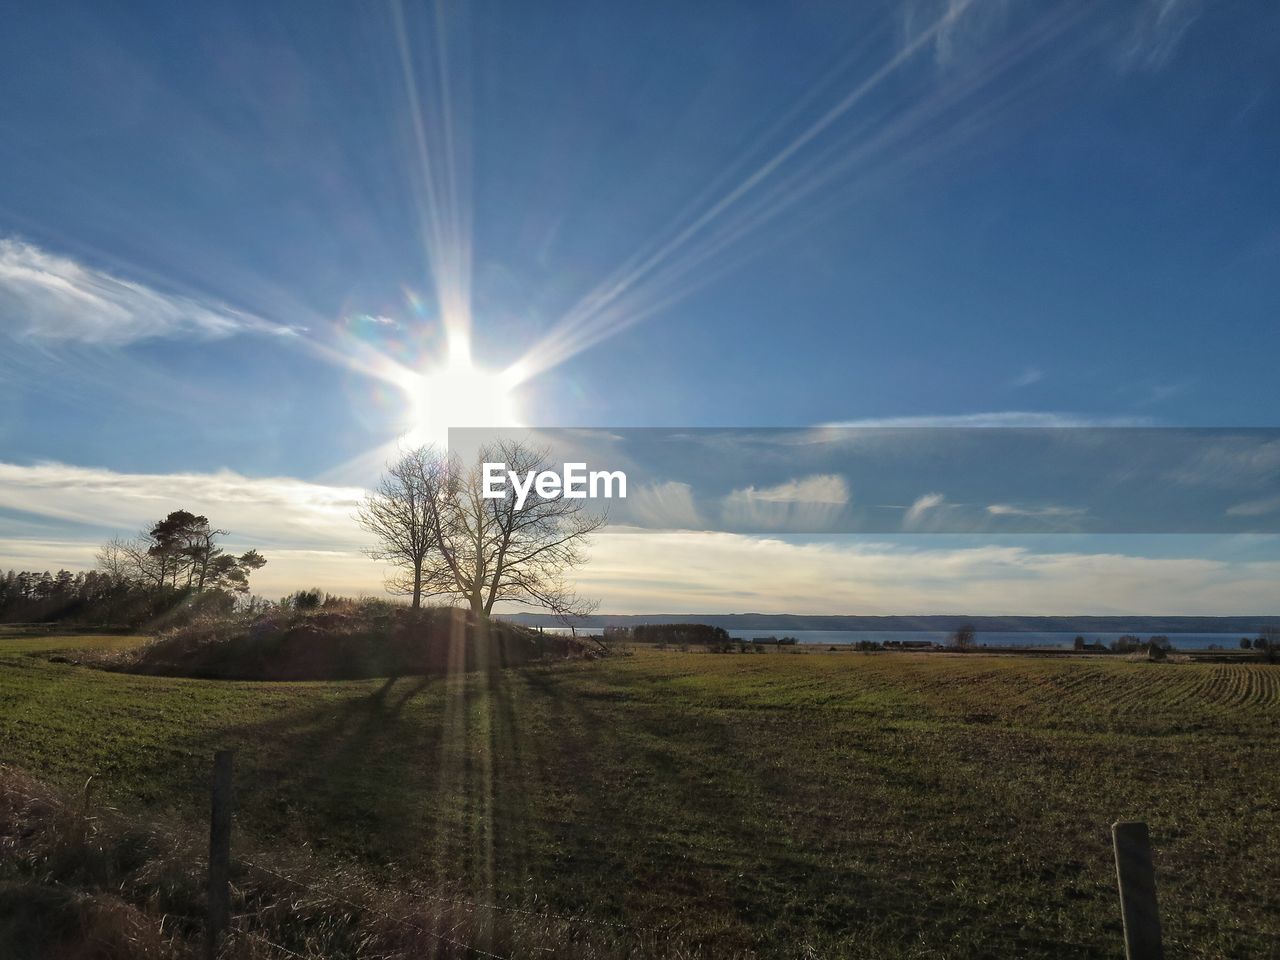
823, 804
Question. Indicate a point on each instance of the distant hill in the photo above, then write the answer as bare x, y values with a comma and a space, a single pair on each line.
793, 621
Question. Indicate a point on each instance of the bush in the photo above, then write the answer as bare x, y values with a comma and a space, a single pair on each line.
304, 600
1127, 644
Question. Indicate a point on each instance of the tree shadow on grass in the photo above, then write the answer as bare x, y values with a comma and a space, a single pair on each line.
349, 773
696, 812
502, 784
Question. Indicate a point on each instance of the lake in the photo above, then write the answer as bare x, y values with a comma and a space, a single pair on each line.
1020, 638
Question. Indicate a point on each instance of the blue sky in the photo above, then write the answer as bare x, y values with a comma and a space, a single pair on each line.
227, 231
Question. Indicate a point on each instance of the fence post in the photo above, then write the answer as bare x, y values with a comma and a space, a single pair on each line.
1137, 879
219, 854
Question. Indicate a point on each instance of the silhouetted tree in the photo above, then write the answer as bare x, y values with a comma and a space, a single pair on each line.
433, 520
401, 511
1271, 643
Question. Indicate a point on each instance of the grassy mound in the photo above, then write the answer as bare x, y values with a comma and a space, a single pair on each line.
342, 642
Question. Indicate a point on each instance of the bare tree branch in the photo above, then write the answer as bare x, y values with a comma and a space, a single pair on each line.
432, 520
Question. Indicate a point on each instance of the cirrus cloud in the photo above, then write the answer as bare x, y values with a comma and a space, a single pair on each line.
50, 298
804, 503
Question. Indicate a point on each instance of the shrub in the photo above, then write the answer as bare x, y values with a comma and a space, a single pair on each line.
304, 600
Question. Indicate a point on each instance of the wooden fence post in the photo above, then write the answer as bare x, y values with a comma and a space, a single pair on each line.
1137, 879
219, 854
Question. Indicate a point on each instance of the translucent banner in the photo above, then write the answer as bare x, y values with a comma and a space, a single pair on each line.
869, 480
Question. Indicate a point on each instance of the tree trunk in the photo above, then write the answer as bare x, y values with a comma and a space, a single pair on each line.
417, 586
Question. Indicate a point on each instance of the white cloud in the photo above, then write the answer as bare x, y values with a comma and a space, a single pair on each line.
819, 488
923, 508
1049, 512
269, 510
688, 572
306, 530
310, 538
50, 298
806, 503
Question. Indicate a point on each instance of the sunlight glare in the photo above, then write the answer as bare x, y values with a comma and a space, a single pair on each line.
459, 395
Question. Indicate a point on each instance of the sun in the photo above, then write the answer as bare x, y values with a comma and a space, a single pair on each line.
459, 394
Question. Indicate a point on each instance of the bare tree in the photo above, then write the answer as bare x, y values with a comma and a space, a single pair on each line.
402, 513
479, 551
133, 560
963, 638
115, 558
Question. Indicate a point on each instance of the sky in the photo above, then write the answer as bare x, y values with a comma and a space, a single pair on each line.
247, 249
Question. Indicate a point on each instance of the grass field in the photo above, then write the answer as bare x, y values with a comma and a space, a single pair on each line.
818, 804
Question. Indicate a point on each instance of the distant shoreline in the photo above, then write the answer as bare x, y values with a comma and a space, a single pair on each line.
1085, 624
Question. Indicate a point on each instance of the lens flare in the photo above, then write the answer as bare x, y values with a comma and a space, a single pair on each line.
458, 395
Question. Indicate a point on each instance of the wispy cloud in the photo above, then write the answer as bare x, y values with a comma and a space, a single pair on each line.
1158, 28
806, 503
268, 510
1027, 377
966, 27
49, 298
1052, 517
1232, 461
665, 506
1255, 508
998, 418
1013, 510
923, 509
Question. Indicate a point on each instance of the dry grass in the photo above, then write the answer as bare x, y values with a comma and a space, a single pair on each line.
79, 882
